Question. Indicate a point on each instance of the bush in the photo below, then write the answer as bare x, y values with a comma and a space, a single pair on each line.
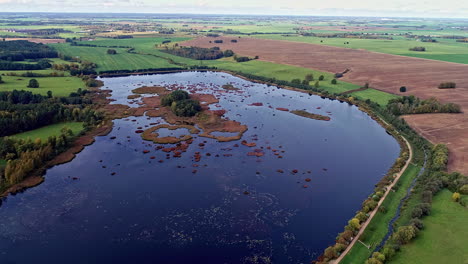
33, 83
228, 53
447, 85
334, 81
418, 49
403, 89
296, 81
242, 59
321, 78
111, 51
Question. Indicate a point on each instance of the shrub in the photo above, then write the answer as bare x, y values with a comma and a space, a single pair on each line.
309, 77
321, 78
417, 223
418, 49
334, 81
296, 81
447, 85
33, 83
111, 51
456, 197
228, 53
242, 59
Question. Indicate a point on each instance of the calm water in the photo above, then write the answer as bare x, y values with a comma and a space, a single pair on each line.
152, 212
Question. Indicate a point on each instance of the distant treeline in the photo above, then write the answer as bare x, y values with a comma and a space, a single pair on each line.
20, 50
198, 53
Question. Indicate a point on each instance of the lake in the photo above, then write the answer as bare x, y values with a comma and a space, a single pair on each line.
286, 206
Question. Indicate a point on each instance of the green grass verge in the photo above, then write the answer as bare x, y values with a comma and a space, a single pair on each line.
378, 227
60, 86
443, 239
52, 130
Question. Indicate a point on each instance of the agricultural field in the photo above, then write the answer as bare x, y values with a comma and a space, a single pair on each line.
443, 239
52, 130
444, 49
60, 86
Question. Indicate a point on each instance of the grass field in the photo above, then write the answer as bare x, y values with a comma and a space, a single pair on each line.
377, 96
52, 130
119, 61
444, 50
60, 86
443, 239
378, 227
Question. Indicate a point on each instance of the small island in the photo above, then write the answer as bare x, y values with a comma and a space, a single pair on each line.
306, 114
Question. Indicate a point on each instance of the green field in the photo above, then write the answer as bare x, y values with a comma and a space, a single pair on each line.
444, 50
443, 239
377, 96
52, 130
378, 227
60, 86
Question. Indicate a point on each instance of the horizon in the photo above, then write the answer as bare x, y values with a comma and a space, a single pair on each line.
380, 8
233, 14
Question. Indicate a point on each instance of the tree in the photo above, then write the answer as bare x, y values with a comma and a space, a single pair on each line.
111, 51
354, 224
33, 83
330, 253
317, 84
309, 77
405, 234
403, 89
334, 81
321, 78
463, 189
456, 197
49, 94
305, 82
361, 216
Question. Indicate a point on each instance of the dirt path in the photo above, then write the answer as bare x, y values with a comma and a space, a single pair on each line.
385, 72
366, 223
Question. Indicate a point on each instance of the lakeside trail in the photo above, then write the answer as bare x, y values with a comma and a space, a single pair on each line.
366, 223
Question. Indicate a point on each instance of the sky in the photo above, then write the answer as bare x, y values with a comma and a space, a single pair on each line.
395, 8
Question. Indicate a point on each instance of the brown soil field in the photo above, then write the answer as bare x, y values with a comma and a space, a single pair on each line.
383, 72
38, 40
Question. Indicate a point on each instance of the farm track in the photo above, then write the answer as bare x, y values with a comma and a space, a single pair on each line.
384, 72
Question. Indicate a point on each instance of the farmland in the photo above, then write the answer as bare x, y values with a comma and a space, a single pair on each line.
443, 50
